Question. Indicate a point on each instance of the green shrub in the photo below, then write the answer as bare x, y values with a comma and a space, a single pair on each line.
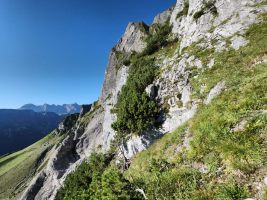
126, 62
157, 40
114, 186
79, 181
136, 112
198, 14
97, 179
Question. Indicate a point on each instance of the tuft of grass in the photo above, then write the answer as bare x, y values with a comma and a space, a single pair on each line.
232, 190
263, 3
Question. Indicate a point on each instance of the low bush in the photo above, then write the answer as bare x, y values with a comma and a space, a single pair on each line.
97, 179
136, 112
231, 190
157, 40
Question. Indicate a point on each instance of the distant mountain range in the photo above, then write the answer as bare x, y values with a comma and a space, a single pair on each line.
21, 128
64, 109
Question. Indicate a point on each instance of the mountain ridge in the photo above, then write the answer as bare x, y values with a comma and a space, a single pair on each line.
21, 128
58, 109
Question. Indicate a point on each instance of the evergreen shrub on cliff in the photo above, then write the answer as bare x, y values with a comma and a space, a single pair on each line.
97, 178
136, 112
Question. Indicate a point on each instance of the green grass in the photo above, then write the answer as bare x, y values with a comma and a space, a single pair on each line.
213, 142
264, 3
18, 168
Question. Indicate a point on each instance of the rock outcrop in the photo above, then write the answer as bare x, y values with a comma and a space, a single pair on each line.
133, 38
163, 17
192, 23
85, 109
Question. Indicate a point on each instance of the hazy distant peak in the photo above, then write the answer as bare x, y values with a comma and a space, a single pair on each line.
59, 109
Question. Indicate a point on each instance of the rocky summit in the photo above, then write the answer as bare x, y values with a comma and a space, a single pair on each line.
182, 113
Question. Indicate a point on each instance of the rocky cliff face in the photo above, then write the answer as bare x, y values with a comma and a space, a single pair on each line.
216, 25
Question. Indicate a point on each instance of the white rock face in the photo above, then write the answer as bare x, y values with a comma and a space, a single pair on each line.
136, 144
133, 38
215, 92
133, 146
163, 17
211, 63
178, 116
238, 41
109, 118
234, 16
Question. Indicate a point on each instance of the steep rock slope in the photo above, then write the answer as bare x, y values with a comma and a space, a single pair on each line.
200, 31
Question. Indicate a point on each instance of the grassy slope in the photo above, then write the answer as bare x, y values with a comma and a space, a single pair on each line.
18, 168
233, 160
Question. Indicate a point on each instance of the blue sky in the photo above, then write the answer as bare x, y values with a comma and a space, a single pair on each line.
56, 51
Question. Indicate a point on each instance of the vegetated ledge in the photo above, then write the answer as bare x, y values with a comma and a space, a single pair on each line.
206, 158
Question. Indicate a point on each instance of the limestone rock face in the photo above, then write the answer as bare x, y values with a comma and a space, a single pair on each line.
133, 39
163, 17
109, 117
92, 132
215, 92
231, 17
175, 90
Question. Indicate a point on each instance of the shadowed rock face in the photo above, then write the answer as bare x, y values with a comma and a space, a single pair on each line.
67, 123
85, 109
93, 132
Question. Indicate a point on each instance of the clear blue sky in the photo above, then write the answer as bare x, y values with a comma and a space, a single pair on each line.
56, 51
